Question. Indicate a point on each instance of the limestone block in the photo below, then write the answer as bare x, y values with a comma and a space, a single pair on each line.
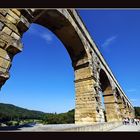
10, 18
14, 47
7, 30
2, 43
2, 70
83, 73
12, 14
109, 99
17, 12
1, 25
14, 35
3, 11
4, 63
8, 24
4, 54
23, 24
5, 37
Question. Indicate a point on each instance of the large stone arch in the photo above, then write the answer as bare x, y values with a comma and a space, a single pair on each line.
66, 30
111, 106
16, 22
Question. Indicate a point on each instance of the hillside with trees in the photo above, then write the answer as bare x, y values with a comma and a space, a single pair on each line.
10, 112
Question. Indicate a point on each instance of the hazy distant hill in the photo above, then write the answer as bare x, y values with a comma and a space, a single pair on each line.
8, 111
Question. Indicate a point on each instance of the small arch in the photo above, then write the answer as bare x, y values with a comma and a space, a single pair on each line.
119, 102
106, 89
111, 108
104, 82
123, 101
118, 95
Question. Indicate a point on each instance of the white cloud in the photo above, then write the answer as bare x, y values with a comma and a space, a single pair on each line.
134, 100
109, 41
44, 35
131, 90
47, 37
33, 31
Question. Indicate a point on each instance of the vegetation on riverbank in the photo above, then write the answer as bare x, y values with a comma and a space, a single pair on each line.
11, 115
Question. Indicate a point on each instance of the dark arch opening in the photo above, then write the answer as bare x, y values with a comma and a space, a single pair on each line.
105, 89
117, 92
118, 96
119, 102
104, 81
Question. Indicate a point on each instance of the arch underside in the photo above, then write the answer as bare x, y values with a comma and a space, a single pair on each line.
65, 31
110, 101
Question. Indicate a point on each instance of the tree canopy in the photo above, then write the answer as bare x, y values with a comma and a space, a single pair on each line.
11, 112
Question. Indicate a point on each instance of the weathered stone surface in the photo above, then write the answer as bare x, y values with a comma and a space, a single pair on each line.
1, 25
10, 18
23, 24
4, 54
14, 47
9, 24
2, 43
17, 12
4, 63
14, 35
7, 30
3, 11
12, 14
5, 37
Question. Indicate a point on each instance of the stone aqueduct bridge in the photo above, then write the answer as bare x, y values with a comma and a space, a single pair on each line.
93, 77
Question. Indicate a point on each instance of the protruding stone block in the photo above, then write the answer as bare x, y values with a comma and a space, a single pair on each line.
7, 30
12, 14
23, 24
14, 47
14, 35
10, 18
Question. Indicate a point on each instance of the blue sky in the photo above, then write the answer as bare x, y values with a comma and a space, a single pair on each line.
42, 75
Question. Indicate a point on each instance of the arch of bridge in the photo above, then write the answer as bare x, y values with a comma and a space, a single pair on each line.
110, 100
